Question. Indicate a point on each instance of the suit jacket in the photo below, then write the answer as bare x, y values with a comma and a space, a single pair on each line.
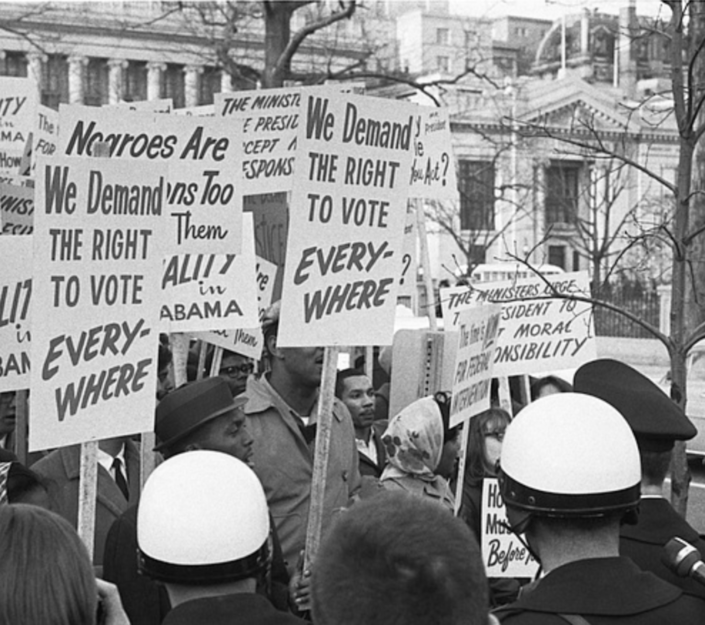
61, 468
239, 609
644, 542
367, 466
604, 590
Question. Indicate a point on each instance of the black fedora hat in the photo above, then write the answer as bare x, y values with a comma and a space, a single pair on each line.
190, 407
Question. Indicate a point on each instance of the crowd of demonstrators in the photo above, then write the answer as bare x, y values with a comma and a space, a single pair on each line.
570, 475
549, 385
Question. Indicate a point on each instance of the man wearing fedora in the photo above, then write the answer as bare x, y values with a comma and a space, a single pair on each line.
657, 422
199, 415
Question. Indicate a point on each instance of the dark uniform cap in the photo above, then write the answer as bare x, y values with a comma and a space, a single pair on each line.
654, 417
190, 407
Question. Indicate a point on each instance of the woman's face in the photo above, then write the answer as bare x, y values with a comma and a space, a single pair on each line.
494, 435
448, 457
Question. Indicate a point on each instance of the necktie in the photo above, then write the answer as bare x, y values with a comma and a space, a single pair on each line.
120, 478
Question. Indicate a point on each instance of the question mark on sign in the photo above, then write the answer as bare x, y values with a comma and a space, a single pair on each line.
446, 161
406, 259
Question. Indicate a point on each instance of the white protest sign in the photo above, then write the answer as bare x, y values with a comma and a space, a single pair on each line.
95, 300
502, 552
477, 339
247, 341
202, 192
346, 233
165, 105
15, 292
433, 168
407, 282
210, 291
46, 134
537, 332
18, 109
203, 110
16, 209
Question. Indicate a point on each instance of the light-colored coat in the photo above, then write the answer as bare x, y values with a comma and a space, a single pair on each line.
284, 463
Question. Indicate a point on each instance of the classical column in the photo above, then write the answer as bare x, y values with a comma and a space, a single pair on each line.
34, 68
76, 72
154, 80
192, 73
115, 80
225, 82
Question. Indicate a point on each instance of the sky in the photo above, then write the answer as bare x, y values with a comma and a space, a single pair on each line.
549, 9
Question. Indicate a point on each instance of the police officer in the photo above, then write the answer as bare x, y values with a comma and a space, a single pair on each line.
569, 476
203, 531
657, 422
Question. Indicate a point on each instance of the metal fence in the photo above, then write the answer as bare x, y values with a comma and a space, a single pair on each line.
644, 305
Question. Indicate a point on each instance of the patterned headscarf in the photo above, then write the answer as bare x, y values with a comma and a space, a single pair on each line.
4, 472
414, 440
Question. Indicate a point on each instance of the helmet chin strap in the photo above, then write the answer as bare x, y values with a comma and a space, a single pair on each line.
519, 529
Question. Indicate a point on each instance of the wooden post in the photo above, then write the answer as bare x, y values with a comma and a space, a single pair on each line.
324, 418
217, 359
179, 354
22, 410
426, 265
88, 490
464, 437
505, 398
203, 348
369, 362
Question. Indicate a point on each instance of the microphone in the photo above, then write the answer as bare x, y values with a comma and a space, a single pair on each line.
684, 560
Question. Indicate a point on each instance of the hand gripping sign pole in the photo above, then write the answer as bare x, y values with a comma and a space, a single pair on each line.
324, 419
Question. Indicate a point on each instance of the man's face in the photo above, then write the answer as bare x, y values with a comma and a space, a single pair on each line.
304, 364
228, 433
164, 382
359, 397
235, 369
7, 413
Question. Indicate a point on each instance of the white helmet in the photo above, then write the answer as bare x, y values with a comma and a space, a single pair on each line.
569, 455
202, 518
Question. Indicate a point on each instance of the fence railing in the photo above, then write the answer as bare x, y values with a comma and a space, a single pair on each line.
644, 305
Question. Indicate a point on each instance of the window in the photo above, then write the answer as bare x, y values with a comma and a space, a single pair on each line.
173, 85
97, 82
135, 82
442, 36
55, 81
576, 261
562, 192
14, 64
209, 85
556, 255
443, 64
476, 186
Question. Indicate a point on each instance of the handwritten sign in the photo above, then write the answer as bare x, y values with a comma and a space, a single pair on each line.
18, 106
95, 302
433, 167
210, 291
477, 338
16, 209
165, 105
15, 293
347, 221
503, 553
203, 195
535, 335
46, 134
409, 260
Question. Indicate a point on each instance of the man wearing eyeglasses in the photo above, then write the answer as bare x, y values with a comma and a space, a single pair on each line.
235, 369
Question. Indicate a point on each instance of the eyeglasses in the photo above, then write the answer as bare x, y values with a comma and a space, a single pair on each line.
498, 434
234, 370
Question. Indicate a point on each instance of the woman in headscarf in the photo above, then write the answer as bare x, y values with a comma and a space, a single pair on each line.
420, 449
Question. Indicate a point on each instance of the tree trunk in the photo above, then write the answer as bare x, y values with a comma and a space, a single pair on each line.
277, 33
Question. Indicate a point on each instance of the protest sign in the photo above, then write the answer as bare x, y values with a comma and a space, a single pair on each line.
271, 217
433, 166
407, 293
210, 291
96, 269
538, 332
18, 109
268, 120
247, 341
16, 209
46, 135
165, 105
477, 338
347, 220
15, 293
203, 195
504, 555
203, 110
